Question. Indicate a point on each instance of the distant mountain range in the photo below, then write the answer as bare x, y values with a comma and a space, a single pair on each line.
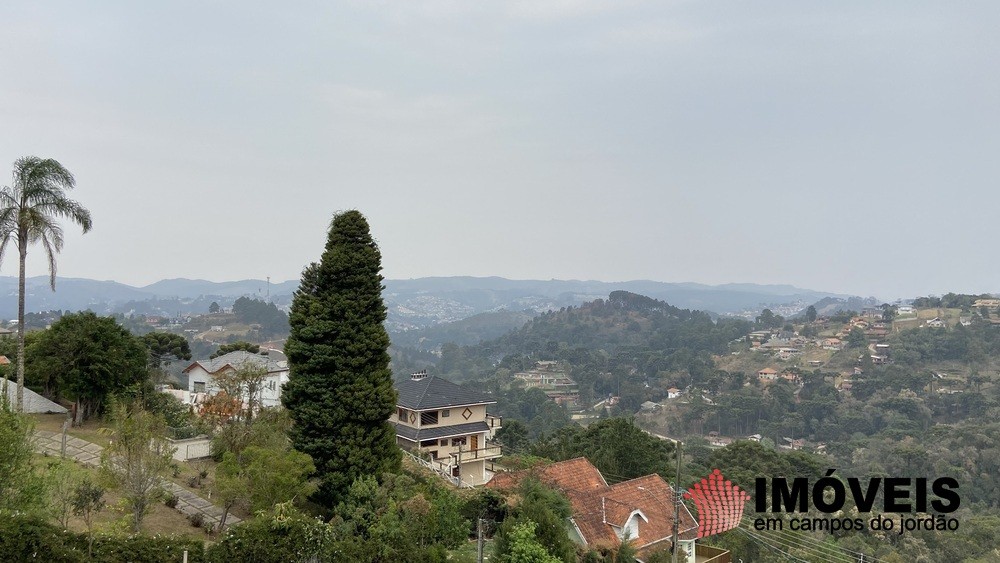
413, 303
426, 301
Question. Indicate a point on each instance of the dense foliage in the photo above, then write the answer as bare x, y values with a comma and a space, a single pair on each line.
86, 358
272, 320
616, 446
543, 511
340, 391
21, 487
235, 347
165, 347
24, 538
629, 345
624, 324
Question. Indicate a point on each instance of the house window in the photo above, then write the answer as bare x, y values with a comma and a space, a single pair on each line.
445, 413
199, 386
428, 418
444, 442
458, 441
401, 414
428, 443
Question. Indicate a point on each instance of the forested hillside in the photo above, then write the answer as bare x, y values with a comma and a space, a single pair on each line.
928, 408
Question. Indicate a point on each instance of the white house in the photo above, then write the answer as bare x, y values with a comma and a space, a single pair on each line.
202, 373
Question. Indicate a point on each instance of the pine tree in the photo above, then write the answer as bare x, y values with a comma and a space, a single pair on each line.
339, 391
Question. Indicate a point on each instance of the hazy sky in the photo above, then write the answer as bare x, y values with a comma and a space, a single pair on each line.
840, 146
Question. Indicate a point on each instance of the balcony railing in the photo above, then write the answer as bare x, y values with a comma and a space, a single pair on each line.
493, 421
489, 452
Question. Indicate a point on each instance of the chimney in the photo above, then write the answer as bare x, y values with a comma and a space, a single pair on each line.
417, 376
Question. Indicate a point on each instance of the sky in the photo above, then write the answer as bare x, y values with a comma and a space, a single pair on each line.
841, 146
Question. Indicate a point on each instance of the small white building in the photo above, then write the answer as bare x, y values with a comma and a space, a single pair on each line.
202, 374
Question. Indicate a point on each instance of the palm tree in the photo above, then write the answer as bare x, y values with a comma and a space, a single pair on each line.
28, 213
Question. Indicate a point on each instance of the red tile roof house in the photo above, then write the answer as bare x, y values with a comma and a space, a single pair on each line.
767, 374
641, 509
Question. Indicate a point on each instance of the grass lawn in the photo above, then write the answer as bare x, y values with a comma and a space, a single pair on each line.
161, 519
187, 470
89, 430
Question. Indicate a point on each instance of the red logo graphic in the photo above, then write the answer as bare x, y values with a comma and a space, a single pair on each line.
719, 503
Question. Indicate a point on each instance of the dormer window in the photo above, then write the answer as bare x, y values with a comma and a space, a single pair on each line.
631, 528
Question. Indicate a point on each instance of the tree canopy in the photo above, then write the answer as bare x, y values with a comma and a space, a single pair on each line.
235, 346
272, 320
340, 392
87, 358
165, 347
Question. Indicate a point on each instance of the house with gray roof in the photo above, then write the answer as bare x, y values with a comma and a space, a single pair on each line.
202, 375
447, 425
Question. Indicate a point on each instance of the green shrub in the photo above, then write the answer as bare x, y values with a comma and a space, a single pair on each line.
25, 538
145, 549
32, 539
282, 536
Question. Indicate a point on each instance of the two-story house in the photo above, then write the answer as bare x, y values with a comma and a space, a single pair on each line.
447, 425
202, 375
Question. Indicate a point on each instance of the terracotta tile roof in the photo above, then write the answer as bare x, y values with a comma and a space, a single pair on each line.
505, 481
574, 474
598, 509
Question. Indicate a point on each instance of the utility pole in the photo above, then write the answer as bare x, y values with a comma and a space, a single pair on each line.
65, 427
677, 505
479, 541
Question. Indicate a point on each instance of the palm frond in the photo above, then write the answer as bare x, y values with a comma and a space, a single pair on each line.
68, 209
51, 254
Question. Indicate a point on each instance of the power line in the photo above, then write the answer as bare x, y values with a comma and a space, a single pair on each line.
822, 552
853, 555
771, 547
785, 547
747, 521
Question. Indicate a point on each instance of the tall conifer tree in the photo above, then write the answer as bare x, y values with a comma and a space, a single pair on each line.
339, 391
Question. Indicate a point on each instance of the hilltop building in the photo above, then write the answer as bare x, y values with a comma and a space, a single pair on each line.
553, 380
